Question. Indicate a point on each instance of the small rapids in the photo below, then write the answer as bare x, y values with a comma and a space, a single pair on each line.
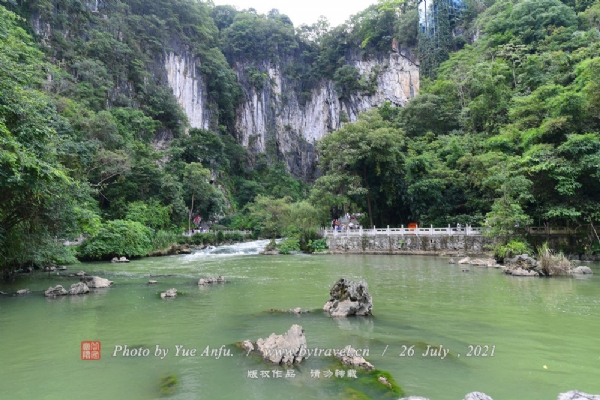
246, 248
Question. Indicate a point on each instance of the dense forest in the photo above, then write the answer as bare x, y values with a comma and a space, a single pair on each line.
504, 132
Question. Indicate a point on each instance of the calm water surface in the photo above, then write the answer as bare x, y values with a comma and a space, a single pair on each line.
420, 301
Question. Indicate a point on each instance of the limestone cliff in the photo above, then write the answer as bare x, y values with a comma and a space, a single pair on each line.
188, 87
275, 113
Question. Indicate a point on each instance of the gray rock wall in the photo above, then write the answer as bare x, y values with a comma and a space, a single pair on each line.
408, 244
275, 112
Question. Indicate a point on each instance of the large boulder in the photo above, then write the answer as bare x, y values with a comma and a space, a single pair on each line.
56, 291
350, 357
283, 349
522, 265
477, 396
95, 282
349, 298
522, 261
211, 280
577, 395
79, 288
583, 270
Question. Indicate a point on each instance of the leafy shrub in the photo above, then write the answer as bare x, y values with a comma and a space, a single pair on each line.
305, 236
318, 245
163, 239
289, 245
117, 238
511, 249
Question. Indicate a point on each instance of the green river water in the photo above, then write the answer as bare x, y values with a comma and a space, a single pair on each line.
417, 300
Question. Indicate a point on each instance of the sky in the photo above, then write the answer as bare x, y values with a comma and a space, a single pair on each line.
305, 11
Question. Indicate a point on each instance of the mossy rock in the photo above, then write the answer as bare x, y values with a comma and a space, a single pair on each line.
371, 379
353, 394
167, 385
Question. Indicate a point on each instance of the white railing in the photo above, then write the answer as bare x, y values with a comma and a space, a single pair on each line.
215, 232
468, 230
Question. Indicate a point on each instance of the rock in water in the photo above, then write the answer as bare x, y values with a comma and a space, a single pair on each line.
248, 346
79, 288
172, 293
477, 396
151, 282
583, 270
521, 272
23, 291
211, 280
283, 349
452, 261
522, 261
349, 298
80, 273
95, 282
577, 395
350, 357
465, 260
414, 398
56, 291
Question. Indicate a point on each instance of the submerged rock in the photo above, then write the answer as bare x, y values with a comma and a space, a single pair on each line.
23, 291
1, 292
283, 349
383, 380
151, 282
477, 396
350, 357
582, 270
211, 280
577, 395
95, 282
62, 268
296, 311
248, 346
79, 288
349, 298
56, 291
171, 293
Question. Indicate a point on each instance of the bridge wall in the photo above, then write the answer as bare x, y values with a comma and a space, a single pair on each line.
409, 244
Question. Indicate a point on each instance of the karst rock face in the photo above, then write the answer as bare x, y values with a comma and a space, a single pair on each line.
348, 298
277, 115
